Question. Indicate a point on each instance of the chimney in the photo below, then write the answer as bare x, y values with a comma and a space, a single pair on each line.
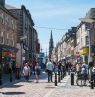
2, 3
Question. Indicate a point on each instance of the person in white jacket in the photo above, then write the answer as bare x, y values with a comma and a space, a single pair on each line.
49, 67
26, 71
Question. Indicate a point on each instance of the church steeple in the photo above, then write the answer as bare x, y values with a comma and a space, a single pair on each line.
51, 45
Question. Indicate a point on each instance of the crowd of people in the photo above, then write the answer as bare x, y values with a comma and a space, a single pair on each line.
83, 71
37, 68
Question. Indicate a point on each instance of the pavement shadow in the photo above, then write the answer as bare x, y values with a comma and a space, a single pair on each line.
12, 93
11, 86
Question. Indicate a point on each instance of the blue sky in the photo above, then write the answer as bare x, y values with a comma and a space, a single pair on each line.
59, 14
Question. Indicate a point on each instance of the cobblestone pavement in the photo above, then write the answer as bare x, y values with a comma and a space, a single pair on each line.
66, 90
44, 89
27, 89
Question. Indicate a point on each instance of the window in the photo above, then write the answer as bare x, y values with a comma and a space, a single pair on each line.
7, 22
2, 33
13, 43
7, 35
87, 40
2, 38
7, 41
13, 25
2, 18
7, 19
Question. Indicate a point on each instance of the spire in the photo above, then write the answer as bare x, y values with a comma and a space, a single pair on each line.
51, 45
51, 35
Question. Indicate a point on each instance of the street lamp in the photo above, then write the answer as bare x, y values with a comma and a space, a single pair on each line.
21, 43
89, 21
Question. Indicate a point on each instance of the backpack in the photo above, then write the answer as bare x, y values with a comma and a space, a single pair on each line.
93, 70
84, 70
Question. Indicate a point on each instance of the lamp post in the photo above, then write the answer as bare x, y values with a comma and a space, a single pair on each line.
89, 55
1, 66
21, 44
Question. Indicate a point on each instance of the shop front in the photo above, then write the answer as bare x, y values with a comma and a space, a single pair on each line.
84, 54
7, 56
70, 55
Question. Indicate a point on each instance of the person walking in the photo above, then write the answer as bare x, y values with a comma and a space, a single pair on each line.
37, 72
49, 67
84, 72
26, 72
78, 68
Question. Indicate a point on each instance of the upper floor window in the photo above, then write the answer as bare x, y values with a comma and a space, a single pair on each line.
7, 19
2, 34
86, 40
7, 35
7, 39
13, 24
7, 22
2, 18
2, 37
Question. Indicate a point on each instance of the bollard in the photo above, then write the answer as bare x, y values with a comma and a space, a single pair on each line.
55, 79
58, 76
10, 77
94, 79
0, 77
10, 73
61, 74
17, 73
72, 78
92, 83
48, 77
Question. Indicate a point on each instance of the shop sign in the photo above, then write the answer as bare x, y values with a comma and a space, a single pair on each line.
77, 54
8, 54
11, 55
4, 54
84, 51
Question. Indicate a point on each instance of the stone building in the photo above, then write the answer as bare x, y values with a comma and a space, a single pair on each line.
8, 37
86, 35
27, 35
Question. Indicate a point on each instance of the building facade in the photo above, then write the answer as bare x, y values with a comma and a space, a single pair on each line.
27, 35
8, 38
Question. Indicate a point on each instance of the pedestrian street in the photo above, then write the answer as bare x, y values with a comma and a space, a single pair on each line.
45, 89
